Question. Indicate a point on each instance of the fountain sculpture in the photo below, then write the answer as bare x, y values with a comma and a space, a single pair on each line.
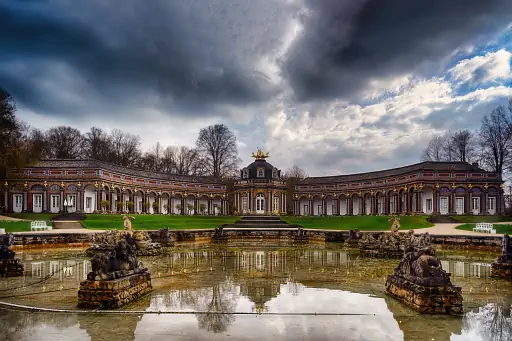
384, 244
117, 277
502, 268
420, 282
9, 266
105, 242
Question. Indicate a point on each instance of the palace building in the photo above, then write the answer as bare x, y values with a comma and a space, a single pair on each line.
260, 189
89, 186
444, 188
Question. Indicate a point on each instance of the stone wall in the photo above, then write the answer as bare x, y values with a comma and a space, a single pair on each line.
45, 240
114, 293
51, 240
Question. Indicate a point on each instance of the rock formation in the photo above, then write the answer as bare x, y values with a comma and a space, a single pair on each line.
384, 244
502, 268
9, 266
104, 242
420, 282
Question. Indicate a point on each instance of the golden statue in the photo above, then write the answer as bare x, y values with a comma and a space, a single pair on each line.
128, 225
260, 155
395, 225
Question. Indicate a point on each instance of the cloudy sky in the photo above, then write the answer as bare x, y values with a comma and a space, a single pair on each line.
334, 86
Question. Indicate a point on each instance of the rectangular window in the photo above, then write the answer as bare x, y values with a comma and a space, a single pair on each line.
491, 203
55, 201
475, 204
260, 173
429, 205
244, 204
88, 202
276, 204
38, 201
18, 200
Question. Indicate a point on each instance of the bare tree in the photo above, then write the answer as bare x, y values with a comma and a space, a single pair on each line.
295, 172
125, 148
98, 145
65, 142
435, 149
496, 136
463, 145
217, 147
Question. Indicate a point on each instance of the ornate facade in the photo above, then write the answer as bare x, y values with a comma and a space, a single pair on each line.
260, 189
445, 188
89, 186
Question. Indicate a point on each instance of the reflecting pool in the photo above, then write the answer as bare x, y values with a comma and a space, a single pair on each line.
253, 292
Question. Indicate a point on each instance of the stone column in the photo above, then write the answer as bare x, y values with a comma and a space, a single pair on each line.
452, 203
501, 199
336, 206
183, 208
25, 201
372, 204
435, 206
79, 200
470, 202
6, 200
349, 206
61, 201
420, 201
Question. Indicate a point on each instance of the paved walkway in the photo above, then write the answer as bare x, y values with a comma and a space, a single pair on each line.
2, 217
450, 229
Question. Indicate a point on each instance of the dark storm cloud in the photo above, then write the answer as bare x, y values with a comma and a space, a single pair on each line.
346, 43
190, 55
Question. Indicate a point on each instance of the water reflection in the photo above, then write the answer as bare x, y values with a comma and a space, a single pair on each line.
216, 283
492, 322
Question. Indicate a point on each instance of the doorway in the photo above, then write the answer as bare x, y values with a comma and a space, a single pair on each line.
260, 204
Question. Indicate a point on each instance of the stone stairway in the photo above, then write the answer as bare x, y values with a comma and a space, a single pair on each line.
68, 221
442, 219
260, 222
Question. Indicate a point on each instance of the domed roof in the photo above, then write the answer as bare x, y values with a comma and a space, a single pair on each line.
251, 171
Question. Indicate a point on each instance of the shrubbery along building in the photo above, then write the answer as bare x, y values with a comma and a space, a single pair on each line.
446, 188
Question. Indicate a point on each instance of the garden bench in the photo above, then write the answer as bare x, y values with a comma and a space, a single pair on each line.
484, 227
2, 230
39, 225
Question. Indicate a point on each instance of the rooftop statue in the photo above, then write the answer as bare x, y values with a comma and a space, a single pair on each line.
260, 155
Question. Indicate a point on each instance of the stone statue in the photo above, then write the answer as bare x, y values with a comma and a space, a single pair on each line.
165, 238
421, 266
121, 262
9, 266
502, 268
506, 250
128, 224
395, 225
420, 282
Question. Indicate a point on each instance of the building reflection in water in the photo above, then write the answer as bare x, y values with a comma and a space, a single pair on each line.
216, 282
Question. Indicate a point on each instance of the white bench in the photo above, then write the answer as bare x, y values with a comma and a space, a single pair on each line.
2, 230
38, 225
484, 227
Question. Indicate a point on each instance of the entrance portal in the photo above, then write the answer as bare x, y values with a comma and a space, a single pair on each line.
260, 203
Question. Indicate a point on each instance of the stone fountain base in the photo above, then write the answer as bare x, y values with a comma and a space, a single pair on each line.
382, 253
501, 270
11, 268
115, 293
426, 299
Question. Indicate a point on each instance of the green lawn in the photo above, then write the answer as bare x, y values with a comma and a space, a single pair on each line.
155, 222
473, 219
24, 226
32, 216
500, 228
368, 223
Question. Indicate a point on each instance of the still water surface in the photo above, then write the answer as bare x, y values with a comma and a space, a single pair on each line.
254, 292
